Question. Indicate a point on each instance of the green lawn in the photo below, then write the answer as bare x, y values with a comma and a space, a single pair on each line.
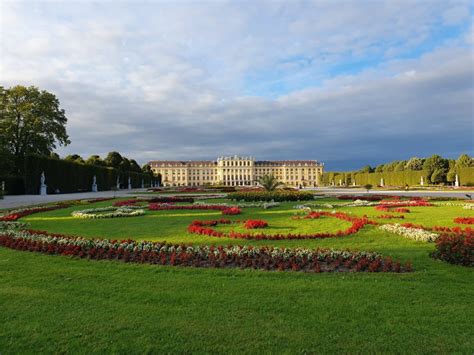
58, 304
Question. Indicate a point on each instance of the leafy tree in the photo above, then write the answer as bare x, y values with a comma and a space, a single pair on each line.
75, 158
269, 182
451, 175
464, 161
113, 160
147, 169
400, 166
414, 164
125, 165
390, 166
134, 166
438, 164
438, 176
31, 121
95, 160
54, 155
379, 168
366, 169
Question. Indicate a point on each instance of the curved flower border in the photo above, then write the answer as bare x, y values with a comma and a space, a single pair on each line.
204, 228
237, 256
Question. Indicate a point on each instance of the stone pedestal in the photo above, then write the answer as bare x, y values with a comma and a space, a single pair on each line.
143, 184
94, 188
43, 190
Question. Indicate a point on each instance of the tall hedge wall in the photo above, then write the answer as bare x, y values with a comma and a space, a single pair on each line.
466, 176
398, 178
14, 185
68, 177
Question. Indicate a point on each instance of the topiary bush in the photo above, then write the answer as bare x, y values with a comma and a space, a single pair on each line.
278, 196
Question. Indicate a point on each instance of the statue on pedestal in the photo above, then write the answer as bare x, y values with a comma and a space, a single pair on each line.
129, 184
94, 184
43, 187
118, 183
456, 182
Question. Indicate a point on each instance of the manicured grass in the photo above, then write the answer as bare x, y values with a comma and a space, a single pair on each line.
59, 304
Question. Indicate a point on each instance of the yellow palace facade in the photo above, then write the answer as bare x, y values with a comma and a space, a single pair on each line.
237, 171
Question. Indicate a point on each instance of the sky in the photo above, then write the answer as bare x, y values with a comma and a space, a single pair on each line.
347, 83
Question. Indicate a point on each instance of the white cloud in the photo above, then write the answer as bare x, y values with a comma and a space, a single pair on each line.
167, 80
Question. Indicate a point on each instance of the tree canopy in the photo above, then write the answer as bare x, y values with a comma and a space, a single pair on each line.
31, 121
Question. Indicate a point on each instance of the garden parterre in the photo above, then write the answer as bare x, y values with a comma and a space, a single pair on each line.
145, 289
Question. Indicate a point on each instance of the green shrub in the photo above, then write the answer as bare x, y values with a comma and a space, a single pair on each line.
278, 196
14, 185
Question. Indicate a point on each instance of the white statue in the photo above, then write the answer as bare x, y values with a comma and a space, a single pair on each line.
94, 184
118, 183
129, 184
456, 182
43, 187
381, 182
422, 182
143, 184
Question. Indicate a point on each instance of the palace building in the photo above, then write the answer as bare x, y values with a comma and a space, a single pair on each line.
237, 171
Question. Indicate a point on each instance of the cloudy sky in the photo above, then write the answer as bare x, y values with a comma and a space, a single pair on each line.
348, 83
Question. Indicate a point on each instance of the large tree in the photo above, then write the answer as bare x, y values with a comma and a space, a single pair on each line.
113, 159
31, 121
95, 160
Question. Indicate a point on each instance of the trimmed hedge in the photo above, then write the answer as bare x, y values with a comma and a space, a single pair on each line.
466, 176
395, 178
14, 185
278, 196
68, 177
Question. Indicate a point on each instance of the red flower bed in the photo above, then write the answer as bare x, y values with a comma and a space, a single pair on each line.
232, 256
224, 209
171, 199
357, 223
390, 216
231, 211
413, 203
455, 248
451, 230
464, 220
26, 212
255, 223
130, 202
401, 210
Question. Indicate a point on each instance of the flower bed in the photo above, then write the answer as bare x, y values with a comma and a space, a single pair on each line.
390, 216
410, 233
365, 197
17, 214
230, 211
464, 220
167, 207
455, 249
255, 223
113, 212
130, 202
237, 256
278, 196
197, 227
171, 199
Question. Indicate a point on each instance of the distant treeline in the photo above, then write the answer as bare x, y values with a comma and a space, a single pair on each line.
432, 170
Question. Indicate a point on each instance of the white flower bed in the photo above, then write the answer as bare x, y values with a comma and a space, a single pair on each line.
114, 212
469, 206
410, 233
